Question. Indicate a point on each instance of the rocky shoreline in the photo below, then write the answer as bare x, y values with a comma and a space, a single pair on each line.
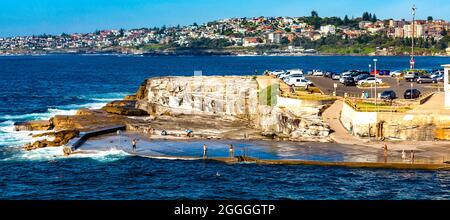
216, 107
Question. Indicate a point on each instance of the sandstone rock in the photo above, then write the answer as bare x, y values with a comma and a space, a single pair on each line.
38, 125
124, 107
59, 138
130, 97
86, 111
142, 91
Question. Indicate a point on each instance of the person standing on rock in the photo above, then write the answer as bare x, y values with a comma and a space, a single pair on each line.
205, 151
134, 143
385, 152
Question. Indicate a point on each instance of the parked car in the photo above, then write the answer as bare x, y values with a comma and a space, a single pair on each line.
299, 82
328, 74
410, 76
277, 72
292, 77
388, 95
285, 75
370, 80
396, 73
439, 78
361, 77
317, 73
411, 94
437, 74
349, 81
342, 78
384, 72
336, 76
425, 79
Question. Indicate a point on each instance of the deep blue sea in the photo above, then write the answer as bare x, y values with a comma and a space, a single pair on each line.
37, 87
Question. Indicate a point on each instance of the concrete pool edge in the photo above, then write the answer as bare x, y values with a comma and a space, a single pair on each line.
374, 165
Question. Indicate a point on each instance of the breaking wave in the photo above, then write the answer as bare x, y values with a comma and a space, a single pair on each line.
56, 153
9, 137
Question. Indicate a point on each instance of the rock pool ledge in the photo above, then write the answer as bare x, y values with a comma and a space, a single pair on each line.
373, 165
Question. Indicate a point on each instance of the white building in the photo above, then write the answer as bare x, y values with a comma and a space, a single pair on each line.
328, 29
447, 85
274, 37
418, 31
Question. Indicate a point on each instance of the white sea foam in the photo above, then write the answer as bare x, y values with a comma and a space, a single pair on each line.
56, 153
11, 138
109, 155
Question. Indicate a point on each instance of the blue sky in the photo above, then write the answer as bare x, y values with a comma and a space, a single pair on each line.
27, 17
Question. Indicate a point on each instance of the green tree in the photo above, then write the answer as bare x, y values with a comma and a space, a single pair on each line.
284, 41
346, 20
314, 14
374, 18
430, 18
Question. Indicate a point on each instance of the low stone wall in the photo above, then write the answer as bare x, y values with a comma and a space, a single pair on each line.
358, 122
393, 125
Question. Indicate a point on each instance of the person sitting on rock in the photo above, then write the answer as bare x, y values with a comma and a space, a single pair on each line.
163, 132
189, 133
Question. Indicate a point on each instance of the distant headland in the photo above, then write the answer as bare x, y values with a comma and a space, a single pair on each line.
286, 36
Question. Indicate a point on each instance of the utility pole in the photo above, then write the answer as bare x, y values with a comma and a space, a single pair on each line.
412, 62
375, 71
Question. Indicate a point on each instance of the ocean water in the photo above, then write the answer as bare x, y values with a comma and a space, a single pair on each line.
37, 87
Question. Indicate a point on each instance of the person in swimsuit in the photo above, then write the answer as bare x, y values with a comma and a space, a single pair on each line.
134, 143
205, 151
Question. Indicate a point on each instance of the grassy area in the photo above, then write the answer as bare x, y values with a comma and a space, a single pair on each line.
335, 49
308, 95
364, 106
384, 85
154, 47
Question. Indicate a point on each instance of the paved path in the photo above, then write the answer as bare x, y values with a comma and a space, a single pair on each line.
340, 135
435, 105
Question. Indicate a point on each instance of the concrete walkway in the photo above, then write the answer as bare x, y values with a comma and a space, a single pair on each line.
426, 149
331, 115
435, 105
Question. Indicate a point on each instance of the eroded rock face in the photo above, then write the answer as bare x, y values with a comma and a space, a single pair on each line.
38, 125
58, 138
294, 127
124, 107
236, 96
232, 96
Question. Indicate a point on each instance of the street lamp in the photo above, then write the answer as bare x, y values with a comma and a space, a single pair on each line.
412, 62
375, 71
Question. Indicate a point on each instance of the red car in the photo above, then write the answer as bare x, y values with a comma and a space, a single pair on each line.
381, 72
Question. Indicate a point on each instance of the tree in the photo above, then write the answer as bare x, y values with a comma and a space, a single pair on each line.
284, 41
374, 18
314, 14
366, 16
346, 20
430, 19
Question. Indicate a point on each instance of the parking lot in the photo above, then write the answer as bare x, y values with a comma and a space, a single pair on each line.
326, 85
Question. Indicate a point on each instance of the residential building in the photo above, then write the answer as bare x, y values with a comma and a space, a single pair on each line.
328, 29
